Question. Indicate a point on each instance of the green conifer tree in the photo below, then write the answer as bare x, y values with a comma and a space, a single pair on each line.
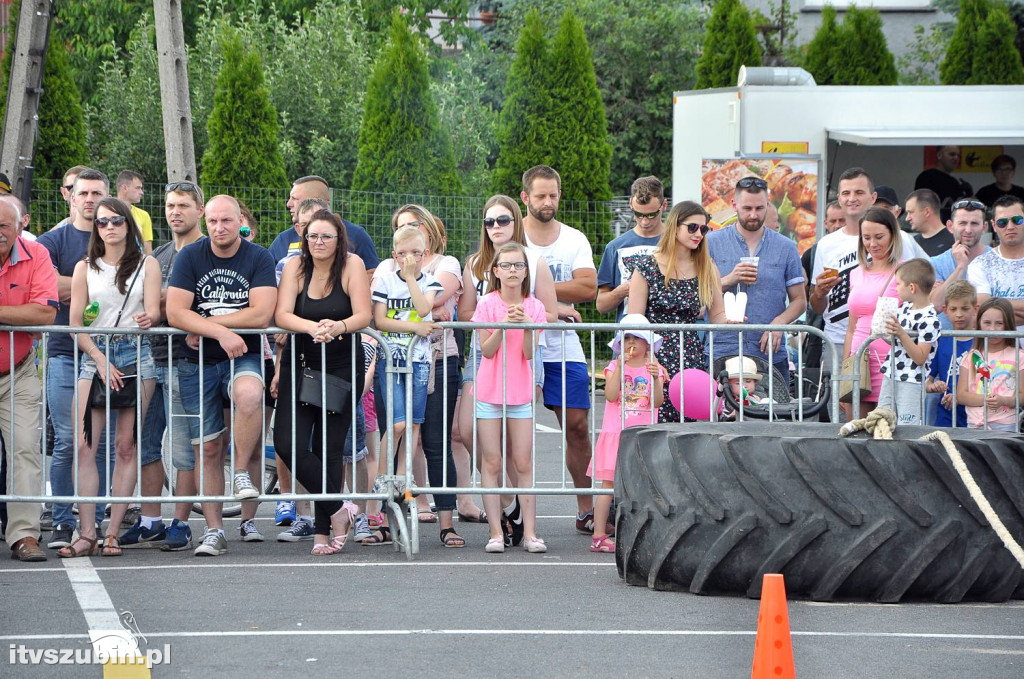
578, 141
243, 127
730, 41
818, 60
1001, 62
526, 114
861, 56
958, 66
403, 148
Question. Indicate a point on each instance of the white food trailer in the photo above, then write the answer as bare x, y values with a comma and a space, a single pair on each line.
885, 130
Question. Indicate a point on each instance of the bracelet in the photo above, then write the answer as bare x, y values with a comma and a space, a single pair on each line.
346, 327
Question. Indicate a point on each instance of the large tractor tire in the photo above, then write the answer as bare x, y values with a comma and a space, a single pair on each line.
712, 508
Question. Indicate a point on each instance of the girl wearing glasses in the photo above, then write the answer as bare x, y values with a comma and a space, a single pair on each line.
120, 285
504, 400
678, 283
502, 224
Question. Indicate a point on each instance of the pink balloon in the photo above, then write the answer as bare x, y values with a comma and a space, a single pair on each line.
698, 391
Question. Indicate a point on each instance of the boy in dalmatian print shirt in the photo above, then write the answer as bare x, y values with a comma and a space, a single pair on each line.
916, 332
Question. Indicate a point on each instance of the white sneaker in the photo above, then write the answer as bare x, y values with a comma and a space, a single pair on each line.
243, 488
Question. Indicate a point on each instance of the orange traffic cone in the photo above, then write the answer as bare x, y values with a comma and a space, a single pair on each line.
773, 649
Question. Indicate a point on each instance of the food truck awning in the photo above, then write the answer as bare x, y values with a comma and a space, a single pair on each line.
928, 137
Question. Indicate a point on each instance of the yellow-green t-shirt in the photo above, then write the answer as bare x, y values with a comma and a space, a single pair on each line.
145, 223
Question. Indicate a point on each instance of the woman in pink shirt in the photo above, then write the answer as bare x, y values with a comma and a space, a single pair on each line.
879, 251
504, 388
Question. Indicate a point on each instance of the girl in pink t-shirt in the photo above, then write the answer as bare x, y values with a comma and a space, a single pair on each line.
638, 381
504, 389
989, 375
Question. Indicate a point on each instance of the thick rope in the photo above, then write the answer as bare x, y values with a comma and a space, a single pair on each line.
880, 423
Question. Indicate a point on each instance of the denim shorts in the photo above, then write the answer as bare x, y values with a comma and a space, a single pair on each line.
577, 385
492, 411
122, 354
420, 376
217, 382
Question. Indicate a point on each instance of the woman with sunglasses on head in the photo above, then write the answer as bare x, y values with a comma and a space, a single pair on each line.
678, 283
120, 287
323, 297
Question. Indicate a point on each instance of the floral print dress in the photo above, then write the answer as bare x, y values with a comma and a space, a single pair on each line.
676, 302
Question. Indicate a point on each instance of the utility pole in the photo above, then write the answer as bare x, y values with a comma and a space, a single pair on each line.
24, 89
174, 96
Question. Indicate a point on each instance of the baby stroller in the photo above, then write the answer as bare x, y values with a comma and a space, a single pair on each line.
780, 404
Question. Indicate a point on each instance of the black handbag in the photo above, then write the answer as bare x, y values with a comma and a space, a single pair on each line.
126, 396
311, 390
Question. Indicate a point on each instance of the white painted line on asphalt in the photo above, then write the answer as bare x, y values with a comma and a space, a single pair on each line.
317, 564
92, 596
531, 632
547, 430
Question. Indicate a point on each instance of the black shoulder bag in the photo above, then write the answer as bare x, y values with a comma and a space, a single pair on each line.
126, 396
310, 389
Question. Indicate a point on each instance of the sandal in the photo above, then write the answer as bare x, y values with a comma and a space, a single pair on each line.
449, 538
381, 536
427, 516
375, 520
112, 544
70, 552
602, 543
325, 549
469, 518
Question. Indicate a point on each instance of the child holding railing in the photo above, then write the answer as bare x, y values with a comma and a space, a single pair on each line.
988, 382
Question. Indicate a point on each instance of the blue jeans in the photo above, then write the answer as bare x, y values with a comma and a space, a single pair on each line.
400, 381
154, 427
61, 380
217, 379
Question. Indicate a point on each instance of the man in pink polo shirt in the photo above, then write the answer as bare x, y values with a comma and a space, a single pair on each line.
28, 296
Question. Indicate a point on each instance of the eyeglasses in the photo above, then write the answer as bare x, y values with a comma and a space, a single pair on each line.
414, 225
103, 222
970, 204
322, 237
752, 182
694, 227
503, 220
508, 266
415, 254
646, 215
1003, 222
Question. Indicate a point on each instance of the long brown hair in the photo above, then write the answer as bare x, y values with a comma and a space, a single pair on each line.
879, 215
703, 265
1002, 305
485, 255
494, 282
133, 255
340, 253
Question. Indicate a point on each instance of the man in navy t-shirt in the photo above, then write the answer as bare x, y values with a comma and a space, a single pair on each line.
219, 283
316, 187
647, 200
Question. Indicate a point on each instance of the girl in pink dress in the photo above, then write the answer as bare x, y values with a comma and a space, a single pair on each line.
879, 252
637, 379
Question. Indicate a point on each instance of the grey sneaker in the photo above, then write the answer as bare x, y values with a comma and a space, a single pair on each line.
249, 532
131, 517
46, 519
297, 532
213, 544
243, 488
362, 526
62, 535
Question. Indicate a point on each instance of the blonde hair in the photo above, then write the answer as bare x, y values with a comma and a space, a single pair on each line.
704, 266
485, 255
407, 233
437, 237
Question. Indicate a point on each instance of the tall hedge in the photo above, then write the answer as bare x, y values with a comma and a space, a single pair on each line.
402, 147
243, 127
526, 115
579, 141
958, 66
1001, 62
818, 59
861, 56
730, 41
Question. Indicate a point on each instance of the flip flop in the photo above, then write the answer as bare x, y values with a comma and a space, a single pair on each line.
479, 518
427, 516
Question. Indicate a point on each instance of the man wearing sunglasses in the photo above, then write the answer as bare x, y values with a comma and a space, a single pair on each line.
774, 285
967, 227
647, 200
1000, 271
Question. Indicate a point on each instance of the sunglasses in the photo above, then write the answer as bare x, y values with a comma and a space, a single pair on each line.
503, 220
181, 186
752, 182
1003, 222
970, 204
103, 222
694, 227
646, 215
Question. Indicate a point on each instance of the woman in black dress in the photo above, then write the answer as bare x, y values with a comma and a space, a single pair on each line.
324, 298
677, 283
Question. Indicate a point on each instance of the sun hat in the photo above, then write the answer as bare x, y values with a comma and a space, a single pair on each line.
652, 338
747, 372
